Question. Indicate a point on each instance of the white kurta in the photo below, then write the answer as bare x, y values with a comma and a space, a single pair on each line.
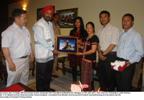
44, 40
17, 40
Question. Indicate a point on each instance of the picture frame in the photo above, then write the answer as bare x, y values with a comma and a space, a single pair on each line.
67, 17
67, 44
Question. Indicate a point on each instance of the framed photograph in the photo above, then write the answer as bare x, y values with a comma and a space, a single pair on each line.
67, 17
67, 44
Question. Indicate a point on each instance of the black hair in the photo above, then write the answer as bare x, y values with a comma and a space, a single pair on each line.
129, 15
82, 29
55, 14
81, 23
18, 12
92, 24
104, 12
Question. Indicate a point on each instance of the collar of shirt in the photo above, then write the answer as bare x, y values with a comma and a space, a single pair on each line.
46, 21
129, 31
106, 27
103, 29
16, 26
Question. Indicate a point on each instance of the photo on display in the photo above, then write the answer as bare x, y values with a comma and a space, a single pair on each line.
67, 44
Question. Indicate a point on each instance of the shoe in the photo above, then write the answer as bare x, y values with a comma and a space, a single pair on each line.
55, 76
51, 90
75, 82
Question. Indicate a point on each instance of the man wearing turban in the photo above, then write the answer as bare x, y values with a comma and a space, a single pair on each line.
44, 48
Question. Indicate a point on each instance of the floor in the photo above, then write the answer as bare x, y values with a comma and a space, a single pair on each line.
62, 83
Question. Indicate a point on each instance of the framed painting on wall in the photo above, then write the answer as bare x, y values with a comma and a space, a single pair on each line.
67, 17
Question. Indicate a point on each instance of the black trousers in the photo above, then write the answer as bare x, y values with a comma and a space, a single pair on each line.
43, 75
106, 74
124, 79
75, 72
75, 62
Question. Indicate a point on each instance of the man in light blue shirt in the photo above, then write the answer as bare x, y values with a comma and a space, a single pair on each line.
131, 46
130, 49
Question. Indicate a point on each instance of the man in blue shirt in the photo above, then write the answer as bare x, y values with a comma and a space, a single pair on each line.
130, 49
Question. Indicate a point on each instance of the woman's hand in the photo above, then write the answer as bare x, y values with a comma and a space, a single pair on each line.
55, 52
79, 53
128, 63
79, 41
102, 57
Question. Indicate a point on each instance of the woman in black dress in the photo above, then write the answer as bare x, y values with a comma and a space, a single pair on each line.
79, 32
89, 55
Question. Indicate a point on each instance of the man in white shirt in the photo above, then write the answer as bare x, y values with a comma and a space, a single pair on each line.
16, 47
44, 48
108, 36
131, 50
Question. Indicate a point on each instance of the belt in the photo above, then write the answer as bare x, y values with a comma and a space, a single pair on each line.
121, 59
112, 52
24, 56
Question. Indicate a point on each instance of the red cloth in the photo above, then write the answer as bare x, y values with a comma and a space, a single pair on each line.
13, 88
121, 68
48, 8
